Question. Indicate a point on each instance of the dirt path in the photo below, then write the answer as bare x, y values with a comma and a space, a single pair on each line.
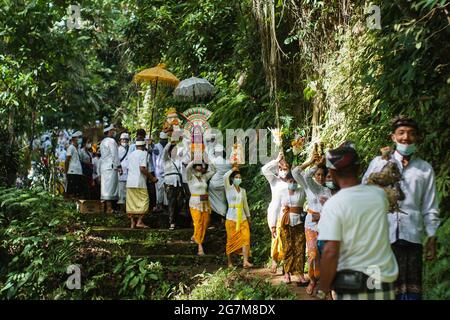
277, 279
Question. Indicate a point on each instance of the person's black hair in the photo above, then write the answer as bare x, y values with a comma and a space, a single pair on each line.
324, 168
141, 133
404, 121
350, 171
232, 175
289, 176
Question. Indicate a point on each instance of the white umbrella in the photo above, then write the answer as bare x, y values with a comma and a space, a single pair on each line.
193, 89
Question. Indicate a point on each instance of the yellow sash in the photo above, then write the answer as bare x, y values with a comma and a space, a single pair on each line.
239, 208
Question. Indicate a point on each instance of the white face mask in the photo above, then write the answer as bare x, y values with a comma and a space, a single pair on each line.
282, 173
124, 144
406, 149
88, 145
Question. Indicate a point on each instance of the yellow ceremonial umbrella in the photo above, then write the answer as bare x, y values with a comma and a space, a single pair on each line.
156, 75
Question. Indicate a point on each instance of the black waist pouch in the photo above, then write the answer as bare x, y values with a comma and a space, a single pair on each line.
350, 281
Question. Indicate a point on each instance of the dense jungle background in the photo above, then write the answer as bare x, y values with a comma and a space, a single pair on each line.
315, 65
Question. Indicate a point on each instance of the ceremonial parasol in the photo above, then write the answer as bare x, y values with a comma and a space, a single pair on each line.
194, 88
156, 75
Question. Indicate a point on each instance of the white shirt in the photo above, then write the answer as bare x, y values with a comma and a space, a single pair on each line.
198, 186
420, 204
158, 161
295, 200
74, 164
96, 171
124, 164
61, 153
313, 192
173, 165
135, 177
278, 188
357, 218
85, 156
110, 154
222, 167
235, 198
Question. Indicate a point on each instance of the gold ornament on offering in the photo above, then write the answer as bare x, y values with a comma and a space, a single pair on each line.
297, 144
172, 122
277, 136
237, 155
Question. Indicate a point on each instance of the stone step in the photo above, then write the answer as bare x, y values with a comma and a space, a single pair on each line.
138, 233
143, 248
159, 220
185, 259
183, 234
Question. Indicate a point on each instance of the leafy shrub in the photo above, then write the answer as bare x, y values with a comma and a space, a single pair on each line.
232, 285
9, 159
138, 277
437, 273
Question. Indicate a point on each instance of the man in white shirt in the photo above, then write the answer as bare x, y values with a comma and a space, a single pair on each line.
123, 158
173, 181
75, 182
137, 204
357, 260
110, 168
419, 209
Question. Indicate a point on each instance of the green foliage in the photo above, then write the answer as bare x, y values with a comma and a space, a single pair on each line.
232, 285
137, 277
41, 236
437, 272
37, 249
156, 239
9, 159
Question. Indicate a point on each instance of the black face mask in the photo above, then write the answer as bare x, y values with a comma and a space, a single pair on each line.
163, 142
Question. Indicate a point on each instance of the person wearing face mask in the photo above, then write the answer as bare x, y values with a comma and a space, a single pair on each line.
275, 172
124, 153
199, 205
158, 162
173, 179
110, 168
292, 231
73, 170
313, 182
418, 211
237, 222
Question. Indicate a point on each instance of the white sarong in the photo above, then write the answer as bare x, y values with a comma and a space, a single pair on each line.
122, 192
161, 197
109, 185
